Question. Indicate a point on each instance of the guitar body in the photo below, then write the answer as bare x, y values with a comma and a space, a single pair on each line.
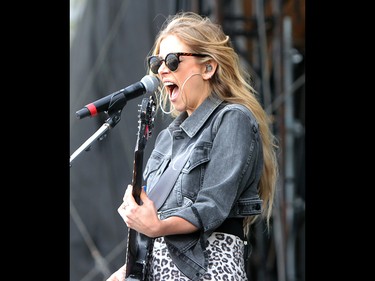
138, 255
138, 245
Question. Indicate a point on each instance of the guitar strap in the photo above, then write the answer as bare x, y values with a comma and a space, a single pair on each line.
167, 180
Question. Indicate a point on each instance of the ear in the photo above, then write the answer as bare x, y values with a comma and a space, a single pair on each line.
209, 69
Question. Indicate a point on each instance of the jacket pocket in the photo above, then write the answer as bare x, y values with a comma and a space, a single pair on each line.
199, 155
155, 166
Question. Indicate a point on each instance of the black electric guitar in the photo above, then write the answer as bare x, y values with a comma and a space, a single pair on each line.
138, 245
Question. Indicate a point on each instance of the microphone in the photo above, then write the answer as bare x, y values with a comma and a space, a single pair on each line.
118, 100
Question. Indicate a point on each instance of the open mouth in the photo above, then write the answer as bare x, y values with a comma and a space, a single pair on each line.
172, 90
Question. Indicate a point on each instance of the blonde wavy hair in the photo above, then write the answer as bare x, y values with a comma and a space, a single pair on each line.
230, 83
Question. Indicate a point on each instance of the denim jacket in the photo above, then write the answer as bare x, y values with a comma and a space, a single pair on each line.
219, 180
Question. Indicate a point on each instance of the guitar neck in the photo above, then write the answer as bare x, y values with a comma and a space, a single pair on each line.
137, 175
138, 249
132, 267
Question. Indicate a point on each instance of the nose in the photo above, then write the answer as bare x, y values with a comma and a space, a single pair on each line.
163, 68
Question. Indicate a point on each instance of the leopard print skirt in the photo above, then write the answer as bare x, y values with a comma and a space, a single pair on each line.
225, 252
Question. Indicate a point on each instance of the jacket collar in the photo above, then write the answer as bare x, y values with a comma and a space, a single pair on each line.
191, 124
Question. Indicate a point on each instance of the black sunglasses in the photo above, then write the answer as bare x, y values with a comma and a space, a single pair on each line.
172, 60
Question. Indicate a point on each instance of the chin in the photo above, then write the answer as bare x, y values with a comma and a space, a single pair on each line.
179, 108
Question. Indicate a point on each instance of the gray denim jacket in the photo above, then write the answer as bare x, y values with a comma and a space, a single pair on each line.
218, 181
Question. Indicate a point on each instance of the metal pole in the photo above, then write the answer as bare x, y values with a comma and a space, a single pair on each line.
289, 149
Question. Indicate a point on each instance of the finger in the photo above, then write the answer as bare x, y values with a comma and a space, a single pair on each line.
128, 192
121, 209
122, 212
123, 205
143, 196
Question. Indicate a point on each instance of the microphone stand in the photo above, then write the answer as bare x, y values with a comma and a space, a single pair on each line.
100, 134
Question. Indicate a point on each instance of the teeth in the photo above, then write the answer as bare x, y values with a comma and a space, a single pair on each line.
168, 83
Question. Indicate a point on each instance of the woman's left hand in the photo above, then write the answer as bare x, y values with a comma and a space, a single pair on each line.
142, 218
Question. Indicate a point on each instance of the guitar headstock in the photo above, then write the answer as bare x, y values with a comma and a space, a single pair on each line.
145, 121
